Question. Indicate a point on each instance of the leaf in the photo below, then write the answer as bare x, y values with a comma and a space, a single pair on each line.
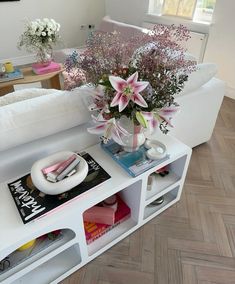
141, 119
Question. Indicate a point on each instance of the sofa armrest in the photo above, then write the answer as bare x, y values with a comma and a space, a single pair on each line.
195, 122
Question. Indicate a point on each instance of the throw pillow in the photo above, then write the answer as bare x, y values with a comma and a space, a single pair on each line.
204, 72
39, 117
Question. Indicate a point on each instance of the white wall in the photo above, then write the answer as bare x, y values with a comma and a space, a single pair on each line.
129, 11
221, 43
71, 14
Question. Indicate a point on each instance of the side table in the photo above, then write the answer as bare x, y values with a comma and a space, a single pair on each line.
52, 263
49, 80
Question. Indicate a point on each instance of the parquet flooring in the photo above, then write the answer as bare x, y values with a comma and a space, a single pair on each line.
193, 242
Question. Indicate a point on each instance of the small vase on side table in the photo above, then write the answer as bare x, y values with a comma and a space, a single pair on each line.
44, 56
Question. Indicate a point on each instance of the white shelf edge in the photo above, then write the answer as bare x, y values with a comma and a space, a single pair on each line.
10, 275
162, 192
153, 215
68, 273
74, 262
112, 237
164, 183
155, 210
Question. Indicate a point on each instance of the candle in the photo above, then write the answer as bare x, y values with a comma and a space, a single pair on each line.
9, 67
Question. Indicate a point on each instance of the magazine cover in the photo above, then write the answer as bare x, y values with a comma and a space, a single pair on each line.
95, 230
135, 163
17, 74
32, 204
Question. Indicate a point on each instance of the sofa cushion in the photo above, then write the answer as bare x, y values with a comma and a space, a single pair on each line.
22, 95
38, 117
204, 73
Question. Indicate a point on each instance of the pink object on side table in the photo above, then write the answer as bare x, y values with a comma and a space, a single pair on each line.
59, 166
40, 70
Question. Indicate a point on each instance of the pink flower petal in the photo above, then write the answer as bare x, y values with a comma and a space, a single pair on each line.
133, 78
123, 102
140, 86
99, 129
147, 115
116, 100
168, 111
139, 100
154, 123
117, 83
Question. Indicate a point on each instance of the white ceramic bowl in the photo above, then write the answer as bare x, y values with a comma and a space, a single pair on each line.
65, 184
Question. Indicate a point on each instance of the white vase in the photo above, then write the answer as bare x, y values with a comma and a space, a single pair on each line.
136, 137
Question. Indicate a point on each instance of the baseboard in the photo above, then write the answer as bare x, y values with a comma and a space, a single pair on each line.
21, 60
230, 92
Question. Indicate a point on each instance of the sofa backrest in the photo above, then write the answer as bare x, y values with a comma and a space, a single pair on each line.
31, 119
126, 30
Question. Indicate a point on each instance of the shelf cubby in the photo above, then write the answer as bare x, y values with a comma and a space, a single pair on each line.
159, 183
52, 269
131, 196
169, 198
21, 260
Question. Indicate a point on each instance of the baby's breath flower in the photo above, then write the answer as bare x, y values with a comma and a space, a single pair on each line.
40, 34
157, 57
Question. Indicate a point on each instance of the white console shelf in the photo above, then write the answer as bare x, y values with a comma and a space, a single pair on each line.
55, 261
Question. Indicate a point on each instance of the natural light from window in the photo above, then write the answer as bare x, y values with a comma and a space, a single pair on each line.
196, 10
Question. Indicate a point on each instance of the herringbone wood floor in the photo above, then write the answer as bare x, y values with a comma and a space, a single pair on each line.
192, 242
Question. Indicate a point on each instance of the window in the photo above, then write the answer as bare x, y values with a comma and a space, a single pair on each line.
196, 10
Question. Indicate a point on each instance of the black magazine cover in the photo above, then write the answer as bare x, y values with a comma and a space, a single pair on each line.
32, 204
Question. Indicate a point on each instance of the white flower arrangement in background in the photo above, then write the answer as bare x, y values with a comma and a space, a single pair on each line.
40, 36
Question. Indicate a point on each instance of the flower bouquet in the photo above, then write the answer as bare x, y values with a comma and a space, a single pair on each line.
39, 36
134, 80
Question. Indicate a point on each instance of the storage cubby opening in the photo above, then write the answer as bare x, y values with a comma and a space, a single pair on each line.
100, 235
169, 198
54, 267
43, 245
157, 182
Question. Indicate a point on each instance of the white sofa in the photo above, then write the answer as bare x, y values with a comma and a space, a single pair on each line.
36, 127
33, 128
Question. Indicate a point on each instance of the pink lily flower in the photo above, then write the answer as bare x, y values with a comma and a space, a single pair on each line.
166, 113
155, 117
127, 90
153, 122
99, 102
109, 129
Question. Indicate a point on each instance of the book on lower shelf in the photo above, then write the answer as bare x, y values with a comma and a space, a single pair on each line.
94, 231
17, 74
33, 204
135, 163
